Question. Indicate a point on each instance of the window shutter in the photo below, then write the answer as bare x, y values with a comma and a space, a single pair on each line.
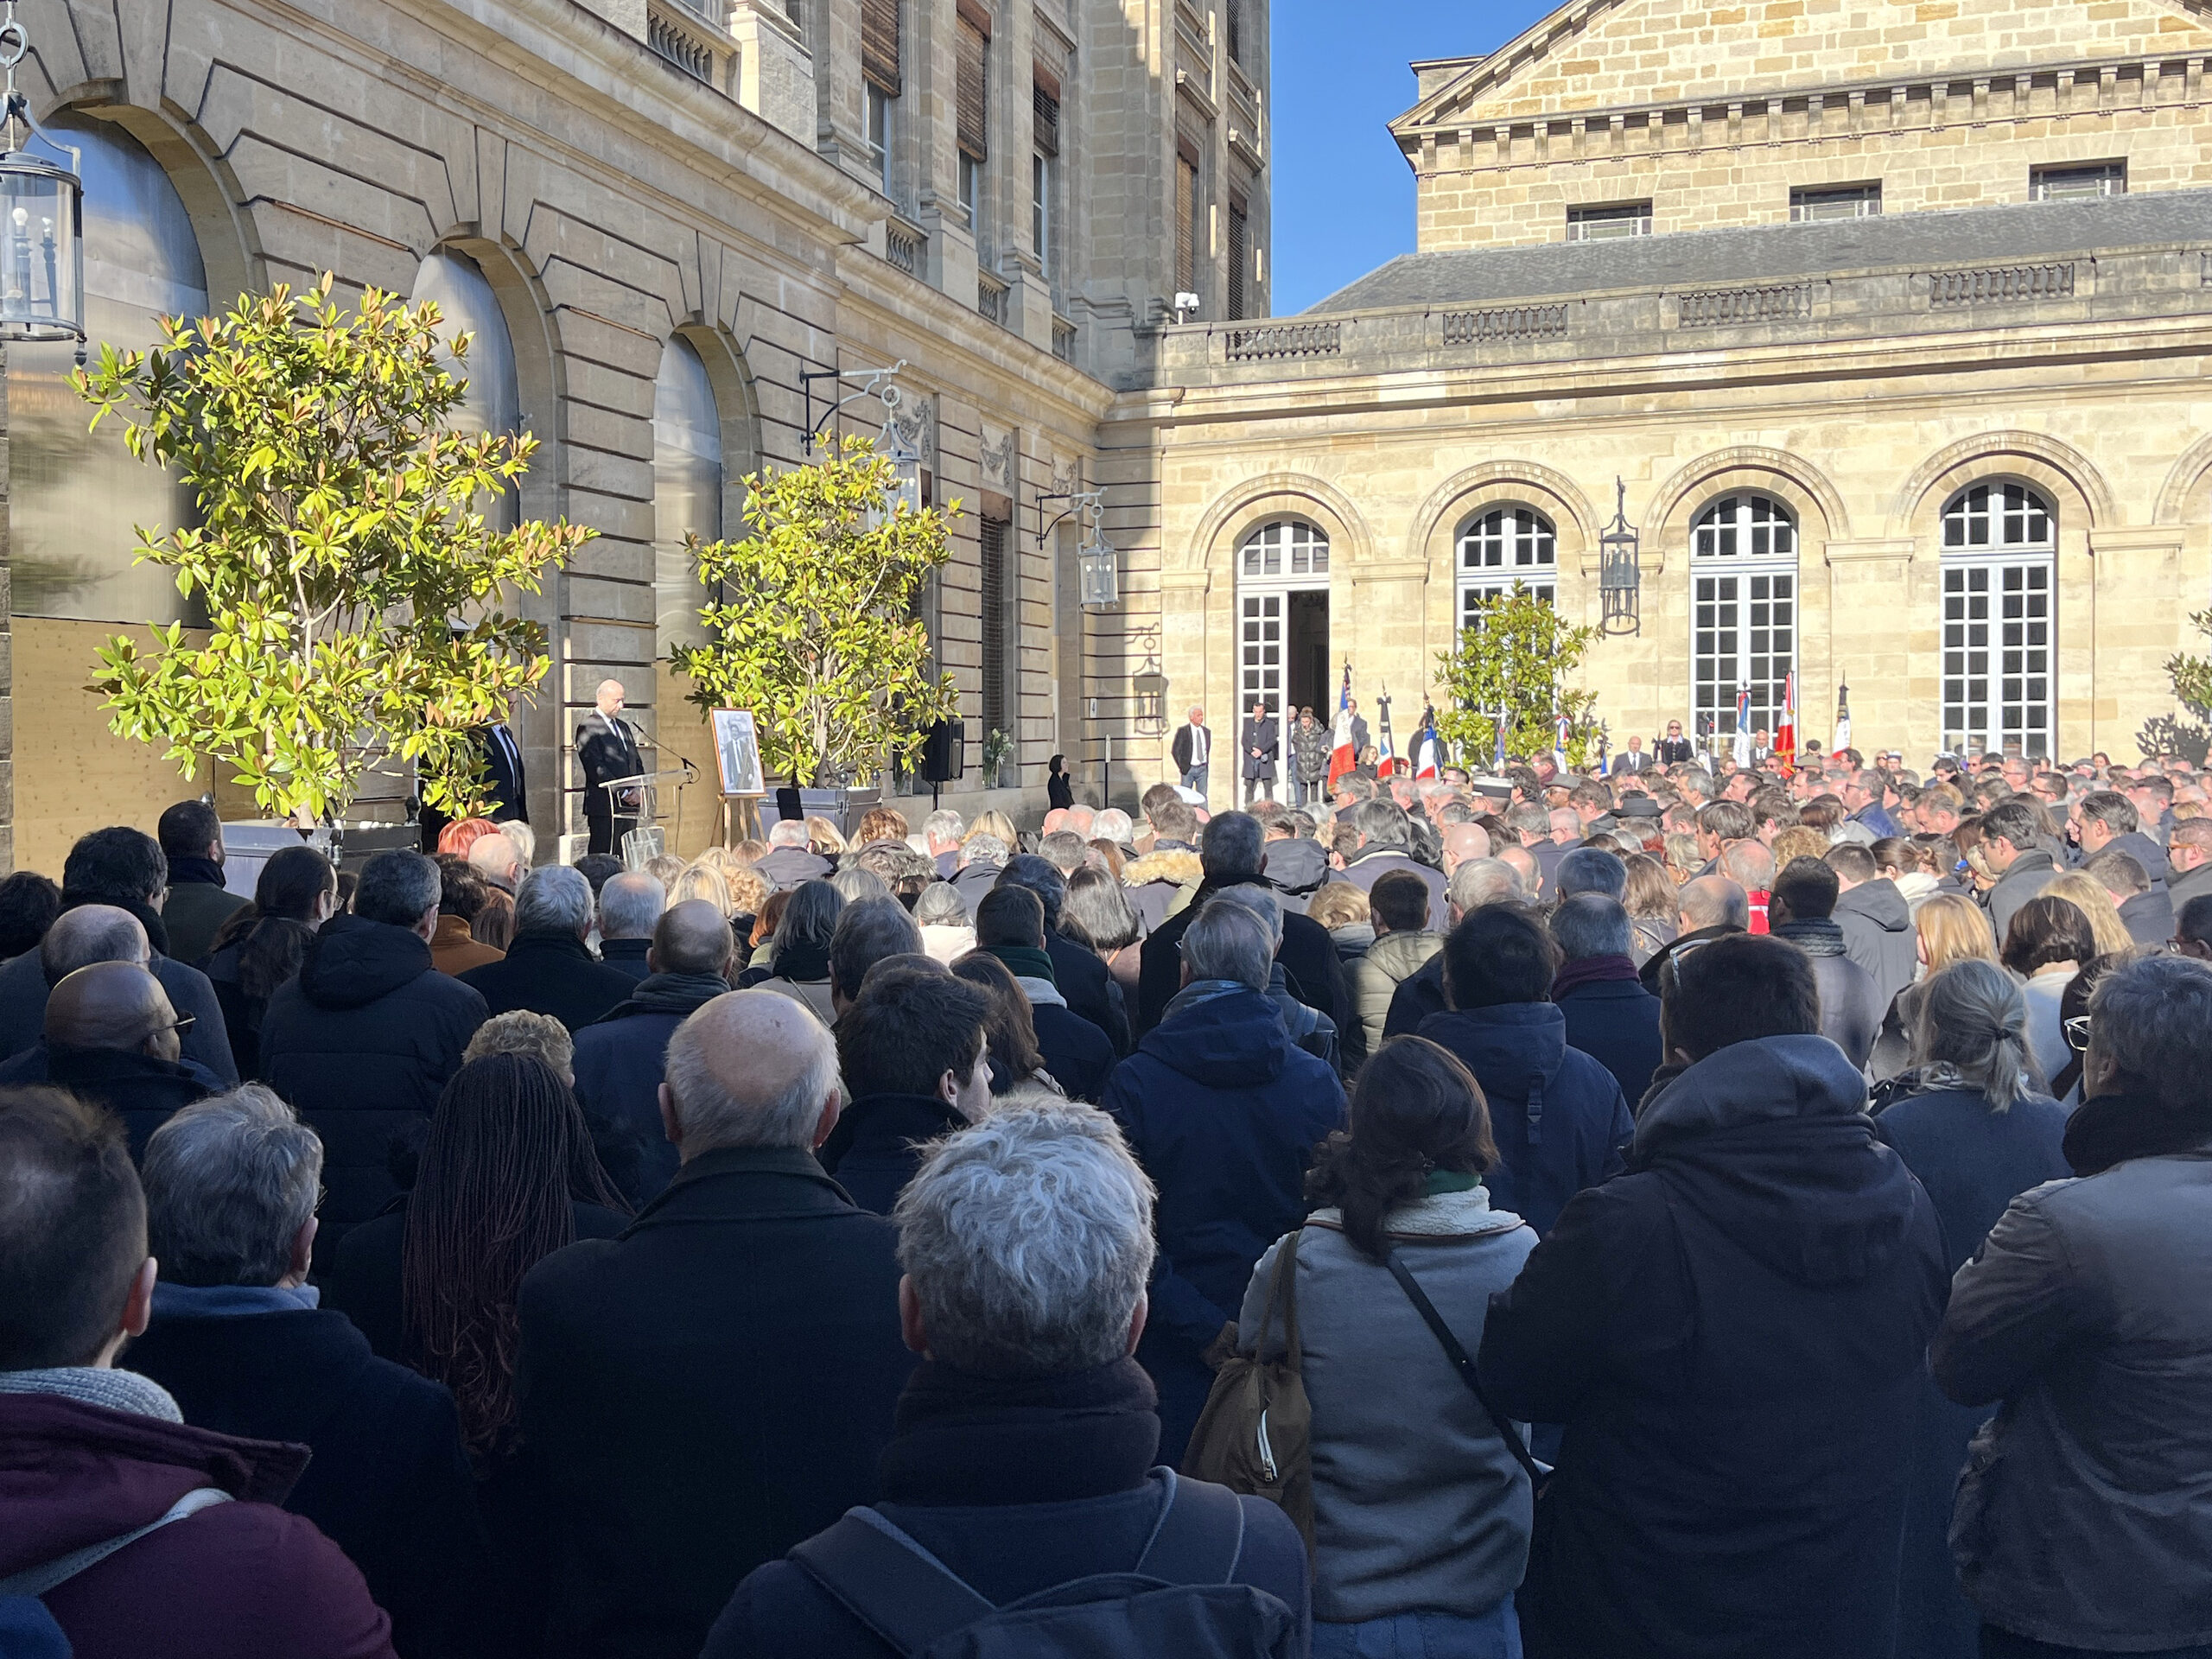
879, 43
1187, 248
1047, 102
1240, 255
971, 111
997, 715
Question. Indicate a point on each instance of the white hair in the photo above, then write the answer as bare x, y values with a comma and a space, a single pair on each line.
230, 1182
788, 832
984, 849
555, 900
1478, 882
1112, 824
712, 1118
1028, 1241
1263, 903
944, 823
523, 838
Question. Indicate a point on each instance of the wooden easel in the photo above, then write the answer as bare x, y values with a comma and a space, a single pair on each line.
740, 818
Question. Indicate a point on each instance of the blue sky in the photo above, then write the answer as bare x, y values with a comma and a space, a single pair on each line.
1344, 197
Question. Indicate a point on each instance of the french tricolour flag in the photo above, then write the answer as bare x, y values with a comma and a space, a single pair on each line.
1428, 748
1342, 756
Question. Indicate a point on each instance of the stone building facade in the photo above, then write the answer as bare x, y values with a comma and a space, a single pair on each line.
1886, 324
658, 215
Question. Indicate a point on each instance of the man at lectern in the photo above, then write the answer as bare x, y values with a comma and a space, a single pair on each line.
606, 748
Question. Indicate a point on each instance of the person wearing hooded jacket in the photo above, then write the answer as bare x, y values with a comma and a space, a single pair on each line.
1734, 1332
1296, 867
366, 1038
1876, 923
1801, 910
1224, 1111
1559, 1117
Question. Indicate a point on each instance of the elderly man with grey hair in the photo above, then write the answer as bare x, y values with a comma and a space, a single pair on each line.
1026, 1455
789, 860
1386, 844
1610, 1016
1232, 853
549, 968
1223, 1109
1475, 882
629, 908
718, 1382
238, 1339
2087, 1313
941, 833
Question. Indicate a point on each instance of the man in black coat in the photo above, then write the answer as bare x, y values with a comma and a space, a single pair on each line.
606, 748
1230, 853
912, 1052
718, 1382
1261, 746
365, 1038
199, 901
789, 862
629, 906
1084, 979
124, 869
1010, 926
111, 1037
1608, 1016
548, 969
231, 1190
1386, 844
1764, 1266
619, 1058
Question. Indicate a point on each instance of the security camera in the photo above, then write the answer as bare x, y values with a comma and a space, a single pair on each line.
1185, 304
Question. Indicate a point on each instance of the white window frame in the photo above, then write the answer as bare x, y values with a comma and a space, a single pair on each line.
882, 116
1040, 209
1279, 558
2077, 181
1608, 221
1503, 543
2000, 619
1744, 587
1816, 203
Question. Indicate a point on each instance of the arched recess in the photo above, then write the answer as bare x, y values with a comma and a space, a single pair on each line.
539, 378
2067, 477
1803, 488
1435, 528
2182, 498
1237, 512
230, 242
76, 497
706, 428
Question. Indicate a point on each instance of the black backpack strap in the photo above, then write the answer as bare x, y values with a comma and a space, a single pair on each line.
1200, 1538
888, 1582
1465, 1367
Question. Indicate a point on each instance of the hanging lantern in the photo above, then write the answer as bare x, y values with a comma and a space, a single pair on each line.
1151, 686
42, 219
894, 446
1620, 576
1098, 570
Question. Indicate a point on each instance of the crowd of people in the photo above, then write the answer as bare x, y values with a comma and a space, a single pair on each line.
1684, 1212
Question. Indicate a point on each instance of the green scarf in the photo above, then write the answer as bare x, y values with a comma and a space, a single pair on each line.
1025, 962
1440, 1181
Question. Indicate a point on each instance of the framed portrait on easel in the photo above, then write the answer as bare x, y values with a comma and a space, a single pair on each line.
737, 752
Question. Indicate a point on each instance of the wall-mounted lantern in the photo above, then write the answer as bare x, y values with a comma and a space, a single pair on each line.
42, 219
1620, 575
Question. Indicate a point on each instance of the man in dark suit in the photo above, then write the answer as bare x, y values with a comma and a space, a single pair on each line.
606, 748
1192, 752
506, 786
673, 1460
1630, 760
1262, 740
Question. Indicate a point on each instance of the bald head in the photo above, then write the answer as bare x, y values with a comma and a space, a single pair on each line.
496, 858
750, 1069
1714, 901
115, 1005
691, 938
1524, 864
1463, 841
609, 697
88, 934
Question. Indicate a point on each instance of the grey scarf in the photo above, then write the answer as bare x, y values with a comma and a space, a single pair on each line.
97, 1385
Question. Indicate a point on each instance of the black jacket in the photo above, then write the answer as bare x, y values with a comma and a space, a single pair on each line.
363, 1042
1087, 984
1058, 791
388, 1484
362, 1279
628, 955
1615, 1023
509, 781
552, 974
703, 1392
1765, 1265
1307, 954
606, 749
1180, 747
1851, 1009
142, 1091
876, 1148
22, 1009
619, 1065
198, 906
1649, 974
1265, 736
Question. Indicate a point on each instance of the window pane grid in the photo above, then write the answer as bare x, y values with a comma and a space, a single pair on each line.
1743, 619
1503, 546
1287, 549
1999, 577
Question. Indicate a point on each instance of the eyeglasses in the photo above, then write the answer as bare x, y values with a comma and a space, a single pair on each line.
2077, 1034
182, 1024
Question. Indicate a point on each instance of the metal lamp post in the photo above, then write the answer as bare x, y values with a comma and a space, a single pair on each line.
42, 219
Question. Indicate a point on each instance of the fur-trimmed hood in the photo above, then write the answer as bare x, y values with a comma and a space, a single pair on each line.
1178, 868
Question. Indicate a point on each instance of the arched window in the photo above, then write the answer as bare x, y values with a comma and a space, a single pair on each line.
493, 401
77, 495
1501, 547
1282, 634
1743, 612
2001, 556
687, 489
